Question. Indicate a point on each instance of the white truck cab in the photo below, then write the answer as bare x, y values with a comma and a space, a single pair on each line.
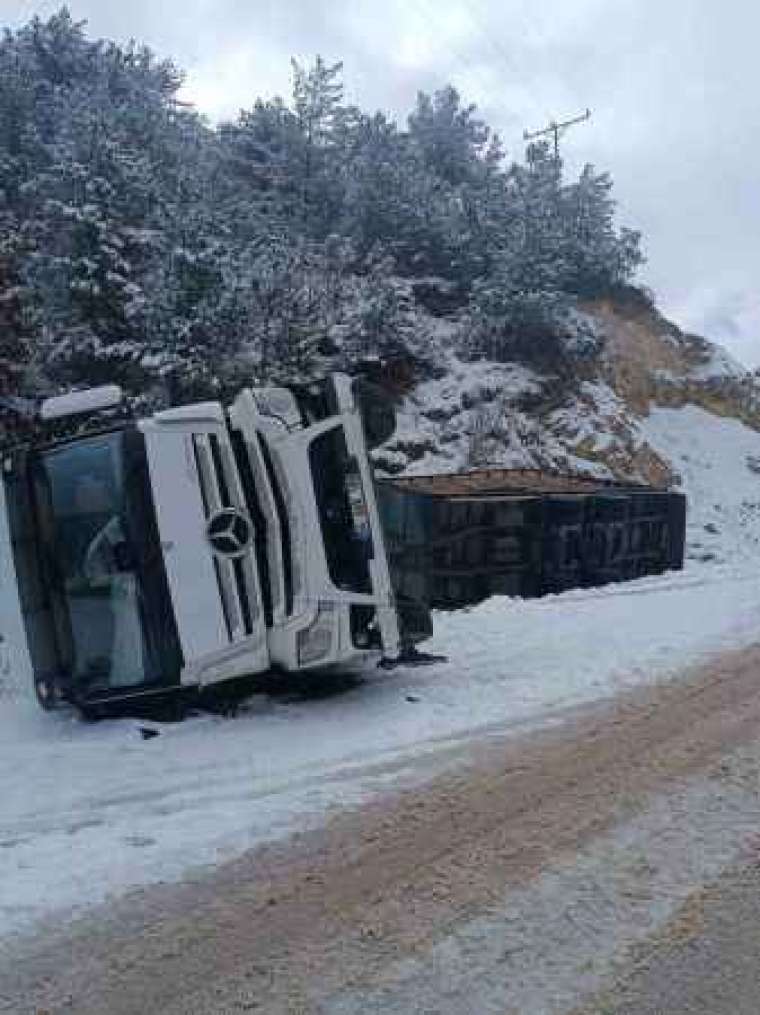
196, 546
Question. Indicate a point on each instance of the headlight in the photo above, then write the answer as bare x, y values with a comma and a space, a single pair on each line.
315, 642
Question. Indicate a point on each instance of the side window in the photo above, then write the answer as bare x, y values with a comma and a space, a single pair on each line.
343, 513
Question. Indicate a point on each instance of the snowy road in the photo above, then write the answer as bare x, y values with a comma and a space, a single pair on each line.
91, 810
516, 884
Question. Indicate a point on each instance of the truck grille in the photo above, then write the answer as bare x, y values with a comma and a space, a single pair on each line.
235, 575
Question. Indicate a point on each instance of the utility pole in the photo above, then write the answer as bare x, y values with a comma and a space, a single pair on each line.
555, 129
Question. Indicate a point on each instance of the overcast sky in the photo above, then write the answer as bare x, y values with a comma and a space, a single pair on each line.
673, 86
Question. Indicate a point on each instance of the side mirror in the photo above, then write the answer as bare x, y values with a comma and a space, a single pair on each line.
378, 415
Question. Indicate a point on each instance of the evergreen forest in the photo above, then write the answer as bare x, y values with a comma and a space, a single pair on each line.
142, 244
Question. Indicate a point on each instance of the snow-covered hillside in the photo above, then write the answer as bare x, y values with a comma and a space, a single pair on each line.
506, 415
717, 461
90, 810
584, 409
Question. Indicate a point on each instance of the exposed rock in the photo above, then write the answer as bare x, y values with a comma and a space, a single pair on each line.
649, 361
582, 413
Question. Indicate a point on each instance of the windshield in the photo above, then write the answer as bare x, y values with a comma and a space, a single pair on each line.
343, 511
89, 528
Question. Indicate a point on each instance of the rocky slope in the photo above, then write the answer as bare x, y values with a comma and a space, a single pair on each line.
580, 413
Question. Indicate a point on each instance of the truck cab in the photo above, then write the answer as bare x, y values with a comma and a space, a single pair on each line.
194, 547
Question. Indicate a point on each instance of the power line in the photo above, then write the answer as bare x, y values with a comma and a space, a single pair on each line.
491, 40
465, 64
502, 58
556, 129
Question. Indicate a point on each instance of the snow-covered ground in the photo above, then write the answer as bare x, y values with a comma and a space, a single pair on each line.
87, 811
718, 461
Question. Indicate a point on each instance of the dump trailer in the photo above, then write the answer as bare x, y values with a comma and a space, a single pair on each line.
183, 551
453, 540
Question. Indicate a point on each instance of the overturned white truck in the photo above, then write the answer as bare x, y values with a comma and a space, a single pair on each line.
203, 544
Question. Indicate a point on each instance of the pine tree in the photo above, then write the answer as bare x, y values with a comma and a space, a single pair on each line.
142, 245
15, 351
317, 104
449, 136
598, 257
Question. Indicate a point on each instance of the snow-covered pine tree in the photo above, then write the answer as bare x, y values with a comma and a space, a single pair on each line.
598, 258
382, 320
553, 243
142, 245
15, 352
450, 138
317, 104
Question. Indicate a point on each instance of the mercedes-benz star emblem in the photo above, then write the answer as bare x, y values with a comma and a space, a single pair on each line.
230, 532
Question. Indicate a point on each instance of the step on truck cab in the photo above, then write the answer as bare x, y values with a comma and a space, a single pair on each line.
194, 547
